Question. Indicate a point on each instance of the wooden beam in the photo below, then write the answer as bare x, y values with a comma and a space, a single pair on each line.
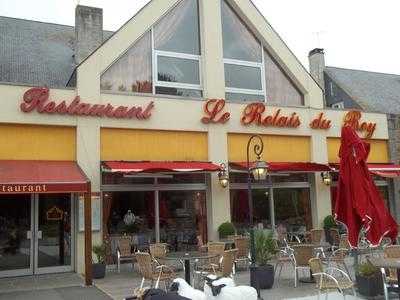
88, 235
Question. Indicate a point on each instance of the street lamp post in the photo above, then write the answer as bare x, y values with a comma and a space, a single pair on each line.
259, 170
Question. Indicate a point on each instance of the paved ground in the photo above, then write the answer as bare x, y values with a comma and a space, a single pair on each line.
118, 286
49, 287
67, 293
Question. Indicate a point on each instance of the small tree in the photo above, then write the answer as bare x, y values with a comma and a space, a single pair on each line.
265, 247
100, 252
225, 229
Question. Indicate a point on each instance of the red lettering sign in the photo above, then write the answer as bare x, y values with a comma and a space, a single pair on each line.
320, 122
213, 109
353, 119
38, 99
254, 113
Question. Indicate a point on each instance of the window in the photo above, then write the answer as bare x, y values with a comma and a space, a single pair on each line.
339, 105
243, 57
251, 74
166, 60
132, 71
279, 88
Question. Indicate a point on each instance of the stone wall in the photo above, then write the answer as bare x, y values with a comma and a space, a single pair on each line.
394, 148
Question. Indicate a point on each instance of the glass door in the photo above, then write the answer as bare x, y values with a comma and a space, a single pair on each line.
53, 230
16, 235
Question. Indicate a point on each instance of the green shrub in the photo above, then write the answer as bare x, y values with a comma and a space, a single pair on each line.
100, 252
366, 269
329, 222
226, 229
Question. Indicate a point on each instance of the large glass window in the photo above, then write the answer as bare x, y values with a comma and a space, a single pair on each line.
183, 219
251, 74
132, 71
242, 59
280, 90
165, 60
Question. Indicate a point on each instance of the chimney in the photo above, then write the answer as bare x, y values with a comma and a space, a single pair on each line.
88, 31
316, 58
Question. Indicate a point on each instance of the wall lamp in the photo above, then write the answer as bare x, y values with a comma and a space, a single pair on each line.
326, 178
223, 176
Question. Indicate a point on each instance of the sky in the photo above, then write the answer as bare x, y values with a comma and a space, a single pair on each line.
357, 34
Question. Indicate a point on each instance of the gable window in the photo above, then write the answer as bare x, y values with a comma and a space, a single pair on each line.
243, 59
171, 50
250, 72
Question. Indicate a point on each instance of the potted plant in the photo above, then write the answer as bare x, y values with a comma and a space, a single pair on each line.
369, 280
226, 229
262, 275
329, 222
99, 268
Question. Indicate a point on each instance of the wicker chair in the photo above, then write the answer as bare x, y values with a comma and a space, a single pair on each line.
335, 238
226, 267
158, 251
153, 272
124, 252
392, 251
302, 253
326, 280
242, 245
215, 248
315, 236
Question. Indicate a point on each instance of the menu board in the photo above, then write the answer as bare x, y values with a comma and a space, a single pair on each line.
96, 215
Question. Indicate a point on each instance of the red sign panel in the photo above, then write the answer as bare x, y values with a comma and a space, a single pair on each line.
38, 99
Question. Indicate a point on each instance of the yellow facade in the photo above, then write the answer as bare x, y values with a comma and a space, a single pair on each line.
35, 142
277, 148
137, 144
379, 152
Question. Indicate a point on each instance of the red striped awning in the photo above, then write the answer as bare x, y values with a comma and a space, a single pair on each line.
28, 176
286, 166
382, 170
158, 166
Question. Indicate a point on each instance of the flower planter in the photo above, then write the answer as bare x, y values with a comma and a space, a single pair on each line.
98, 271
262, 276
370, 286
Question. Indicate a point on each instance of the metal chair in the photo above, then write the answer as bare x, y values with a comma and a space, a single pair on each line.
153, 272
124, 252
284, 256
326, 279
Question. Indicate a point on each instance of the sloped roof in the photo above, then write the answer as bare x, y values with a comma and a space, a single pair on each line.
37, 53
375, 92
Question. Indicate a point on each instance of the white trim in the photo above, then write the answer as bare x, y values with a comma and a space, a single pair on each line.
178, 85
177, 55
244, 91
153, 62
263, 76
245, 63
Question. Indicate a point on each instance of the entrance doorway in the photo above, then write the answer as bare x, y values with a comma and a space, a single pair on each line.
36, 234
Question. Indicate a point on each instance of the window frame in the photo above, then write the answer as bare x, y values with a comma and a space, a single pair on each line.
156, 53
246, 63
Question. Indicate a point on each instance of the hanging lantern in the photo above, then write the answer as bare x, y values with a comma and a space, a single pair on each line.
326, 178
223, 176
260, 170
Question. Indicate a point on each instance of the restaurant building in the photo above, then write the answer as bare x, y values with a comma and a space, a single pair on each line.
141, 120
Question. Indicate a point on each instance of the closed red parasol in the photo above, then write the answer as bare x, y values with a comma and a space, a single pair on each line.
358, 202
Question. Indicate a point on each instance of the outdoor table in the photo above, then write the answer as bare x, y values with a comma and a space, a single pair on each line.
186, 257
387, 263
228, 243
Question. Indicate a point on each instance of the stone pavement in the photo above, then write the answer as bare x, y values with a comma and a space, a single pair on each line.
49, 287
